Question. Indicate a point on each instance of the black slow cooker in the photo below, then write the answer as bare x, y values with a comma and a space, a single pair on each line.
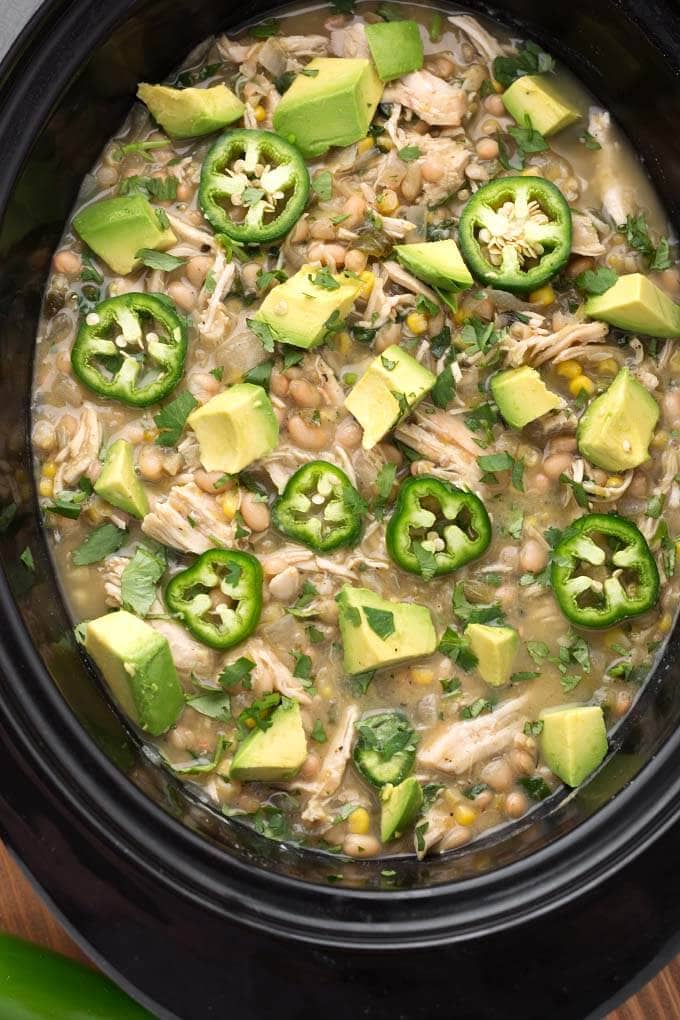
560, 915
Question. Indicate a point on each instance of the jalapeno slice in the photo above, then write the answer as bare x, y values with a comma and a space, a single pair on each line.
254, 186
515, 233
603, 571
132, 349
436, 528
320, 508
386, 749
218, 598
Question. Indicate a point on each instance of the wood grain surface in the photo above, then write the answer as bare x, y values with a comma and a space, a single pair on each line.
22, 912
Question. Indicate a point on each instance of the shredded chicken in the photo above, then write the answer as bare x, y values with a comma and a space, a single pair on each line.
349, 41
403, 279
272, 675
188, 519
434, 100
190, 657
542, 346
585, 239
483, 41
439, 820
445, 440
222, 280
457, 747
75, 459
618, 200
111, 571
332, 769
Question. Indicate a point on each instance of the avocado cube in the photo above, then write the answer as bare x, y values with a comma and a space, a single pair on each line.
298, 310
536, 97
136, 663
438, 263
331, 103
396, 48
391, 386
522, 396
637, 305
118, 484
235, 428
616, 429
275, 753
400, 808
573, 741
377, 633
116, 229
187, 113
495, 648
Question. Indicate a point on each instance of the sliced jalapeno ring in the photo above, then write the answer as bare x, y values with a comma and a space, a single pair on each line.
515, 233
320, 508
436, 528
254, 186
218, 598
385, 751
131, 348
603, 571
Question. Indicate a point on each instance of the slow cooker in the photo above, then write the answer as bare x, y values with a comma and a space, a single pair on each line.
562, 914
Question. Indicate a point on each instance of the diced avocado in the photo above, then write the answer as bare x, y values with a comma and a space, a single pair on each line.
118, 484
298, 310
390, 387
235, 428
187, 113
495, 648
522, 396
116, 229
137, 665
396, 48
331, 107
436, 262
400, 808
535, 96
637, 305
377, 633
275, 753
616, 430
573, 741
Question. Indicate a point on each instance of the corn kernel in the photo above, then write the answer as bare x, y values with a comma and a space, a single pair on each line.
94, 514
416, 322
464, 814
543, 296
46, 487
230, 504
385, 143
422, 676
614, 480
150, 435
497, 87
260, 114
365, 144
343, 342
608, 367
49, 469
388, 202
368, 279
250, 723
581, 384
660, 439
359, 822
452, 796
326, 691
569, 369
665, 623
531, 171
460, 316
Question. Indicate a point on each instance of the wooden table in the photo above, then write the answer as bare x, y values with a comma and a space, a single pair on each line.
23, 913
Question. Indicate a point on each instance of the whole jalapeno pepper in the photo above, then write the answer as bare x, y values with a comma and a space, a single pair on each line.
255, 171
603, 572
219, 597
436, 528
320, 508
131, 348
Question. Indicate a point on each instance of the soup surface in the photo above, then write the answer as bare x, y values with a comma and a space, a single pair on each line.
336, 348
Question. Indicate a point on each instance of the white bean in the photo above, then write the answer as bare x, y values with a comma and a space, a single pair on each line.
458, 835
304, 393
307, 436
150, 463
349, 434
360, 846
255, 512
497, 774
556, 464
183, 295
533, 556
67, 262
44, 436
197, 269
286, 585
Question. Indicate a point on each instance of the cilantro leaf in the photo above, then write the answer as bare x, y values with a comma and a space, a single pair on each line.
203, 764
427, 562
381, 621
139, 579
324, 279
444, 389
215, 706
99, 544
159, 260
408, 153
529, 59
596, 281
172, 418
536, 787
238, 673
476, 708
590, 142
457, 649
318, 732
260, 375
322, 185
27, 559
496, 462
580, 494
383, 485
263, 333
471, 613
265, 29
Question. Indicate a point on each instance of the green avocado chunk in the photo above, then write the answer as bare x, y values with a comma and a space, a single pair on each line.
331, 103
400, 808
522, 396
376, 632
118, 484
275, 753
297, 311
536, 97
117, 228
396, 48
438, 263
388, 390
235, 428
137, 665
495, 648
616, 430
187, 113
637, 305
573, 741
